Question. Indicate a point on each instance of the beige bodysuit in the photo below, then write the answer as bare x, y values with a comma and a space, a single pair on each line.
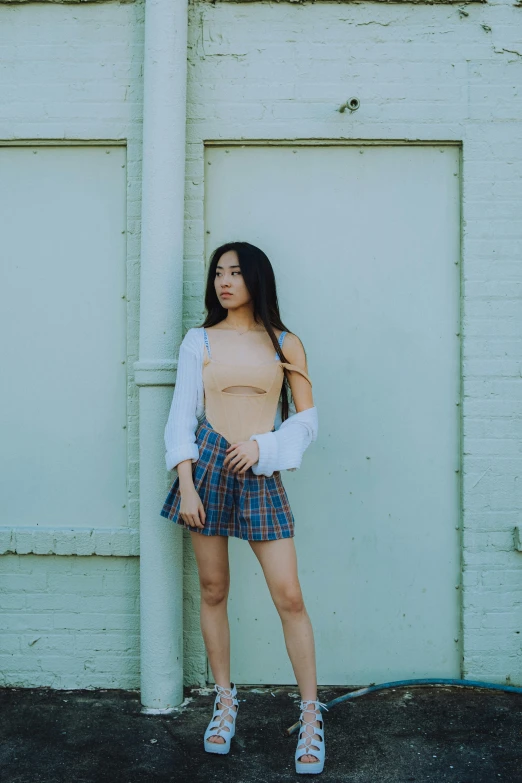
241, 399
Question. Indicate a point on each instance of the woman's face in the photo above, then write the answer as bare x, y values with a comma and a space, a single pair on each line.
229, 280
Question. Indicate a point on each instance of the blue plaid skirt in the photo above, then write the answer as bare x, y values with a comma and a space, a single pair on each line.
243, 505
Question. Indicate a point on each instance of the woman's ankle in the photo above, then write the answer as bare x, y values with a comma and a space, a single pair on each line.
223, 684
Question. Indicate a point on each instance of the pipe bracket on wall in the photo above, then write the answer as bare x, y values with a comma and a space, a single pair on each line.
352, 104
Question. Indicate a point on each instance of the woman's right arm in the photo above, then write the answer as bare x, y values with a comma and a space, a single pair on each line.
180, 433
180, 430
186, 482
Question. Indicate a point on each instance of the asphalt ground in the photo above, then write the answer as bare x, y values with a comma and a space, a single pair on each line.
401, 735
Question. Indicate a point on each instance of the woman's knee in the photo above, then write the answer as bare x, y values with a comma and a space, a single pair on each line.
288, 598
214, 591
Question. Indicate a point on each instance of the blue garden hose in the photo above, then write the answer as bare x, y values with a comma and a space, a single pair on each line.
399, 683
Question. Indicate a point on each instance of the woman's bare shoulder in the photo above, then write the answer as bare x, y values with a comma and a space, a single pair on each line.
288, 335
294, 350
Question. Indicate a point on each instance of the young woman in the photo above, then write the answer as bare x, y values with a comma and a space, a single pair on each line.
229, 434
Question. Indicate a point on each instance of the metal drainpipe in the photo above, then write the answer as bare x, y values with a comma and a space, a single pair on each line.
161, 299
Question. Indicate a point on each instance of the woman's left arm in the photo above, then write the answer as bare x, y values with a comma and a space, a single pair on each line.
299, 384
283, 449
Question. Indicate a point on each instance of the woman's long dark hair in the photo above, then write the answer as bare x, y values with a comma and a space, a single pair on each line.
259, 278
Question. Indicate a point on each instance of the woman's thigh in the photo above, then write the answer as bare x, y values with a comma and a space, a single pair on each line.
212, 559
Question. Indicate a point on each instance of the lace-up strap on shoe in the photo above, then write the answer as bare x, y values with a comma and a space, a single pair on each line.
304, 706
311, 738
219, 716
223, 723
308, 730
218, 722
227, 693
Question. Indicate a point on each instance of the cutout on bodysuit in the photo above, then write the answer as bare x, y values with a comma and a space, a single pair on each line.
252, 390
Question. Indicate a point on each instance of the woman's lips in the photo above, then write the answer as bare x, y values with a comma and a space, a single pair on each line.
226, 294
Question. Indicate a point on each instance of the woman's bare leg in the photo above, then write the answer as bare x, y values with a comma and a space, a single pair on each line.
278, 560
214, 580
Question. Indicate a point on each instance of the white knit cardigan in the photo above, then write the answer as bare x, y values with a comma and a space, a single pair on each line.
281, 449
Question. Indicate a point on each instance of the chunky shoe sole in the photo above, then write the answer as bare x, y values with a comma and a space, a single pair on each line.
217, 747
303, 768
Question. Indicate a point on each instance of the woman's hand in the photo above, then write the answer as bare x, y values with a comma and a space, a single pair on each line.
241, 456
191, 508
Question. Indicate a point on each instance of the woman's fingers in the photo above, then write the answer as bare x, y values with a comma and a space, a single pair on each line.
237, 462
196, 517
240, 464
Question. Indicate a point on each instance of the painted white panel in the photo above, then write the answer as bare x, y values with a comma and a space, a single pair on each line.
364, 241
63, 348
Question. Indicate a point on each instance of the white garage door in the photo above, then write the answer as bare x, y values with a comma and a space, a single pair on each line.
365, 245
63, 325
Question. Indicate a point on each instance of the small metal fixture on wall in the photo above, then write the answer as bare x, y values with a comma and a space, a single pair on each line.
352, 104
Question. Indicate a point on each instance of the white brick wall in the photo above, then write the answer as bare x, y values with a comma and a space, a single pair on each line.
281, 71
67, 620
421, 72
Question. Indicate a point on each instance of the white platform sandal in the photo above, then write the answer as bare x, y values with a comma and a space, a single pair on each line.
219, 725
308, 744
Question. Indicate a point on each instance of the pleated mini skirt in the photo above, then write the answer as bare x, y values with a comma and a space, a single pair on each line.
254, 508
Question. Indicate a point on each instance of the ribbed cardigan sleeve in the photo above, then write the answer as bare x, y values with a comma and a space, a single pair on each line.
180, 430
283, 449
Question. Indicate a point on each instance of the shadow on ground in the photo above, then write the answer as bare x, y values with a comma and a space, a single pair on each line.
402, 735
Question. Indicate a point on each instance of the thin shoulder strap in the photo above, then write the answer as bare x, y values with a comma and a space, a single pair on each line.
205, 337
295, 368
280, 341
